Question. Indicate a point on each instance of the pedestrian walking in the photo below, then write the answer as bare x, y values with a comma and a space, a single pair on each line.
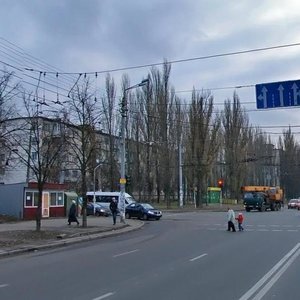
240, 220
231, 219
114, 209
73, 213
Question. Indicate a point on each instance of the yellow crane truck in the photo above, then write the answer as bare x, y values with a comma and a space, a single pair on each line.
262, 198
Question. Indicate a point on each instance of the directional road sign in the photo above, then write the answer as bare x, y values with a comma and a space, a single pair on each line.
278, 94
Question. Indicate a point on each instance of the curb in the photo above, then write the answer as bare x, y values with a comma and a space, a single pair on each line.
72, 240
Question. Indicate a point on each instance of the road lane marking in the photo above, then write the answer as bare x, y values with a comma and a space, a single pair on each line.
277, 230
3, 285
125, 253
104, 296
273, 280
198, 257
266, 277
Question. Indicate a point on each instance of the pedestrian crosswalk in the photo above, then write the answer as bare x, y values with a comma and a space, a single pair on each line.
251, 227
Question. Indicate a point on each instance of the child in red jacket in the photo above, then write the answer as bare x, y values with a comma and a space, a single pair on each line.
240, 220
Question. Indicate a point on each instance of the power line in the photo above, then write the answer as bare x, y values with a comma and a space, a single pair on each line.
176, 61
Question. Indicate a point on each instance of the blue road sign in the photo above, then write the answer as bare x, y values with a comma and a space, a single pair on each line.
278, 94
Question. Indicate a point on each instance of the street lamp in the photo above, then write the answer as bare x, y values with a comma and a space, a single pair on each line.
94, 198
122, 148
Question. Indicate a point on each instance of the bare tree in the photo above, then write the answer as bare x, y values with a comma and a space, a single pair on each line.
290, 162
110, 122
8, 92
81, 137
8, 110
203, 142
236, 137
37, 142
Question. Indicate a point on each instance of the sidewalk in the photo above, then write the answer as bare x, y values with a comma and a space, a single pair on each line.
19, 237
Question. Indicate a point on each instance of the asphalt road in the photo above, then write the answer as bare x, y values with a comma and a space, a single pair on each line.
182, 256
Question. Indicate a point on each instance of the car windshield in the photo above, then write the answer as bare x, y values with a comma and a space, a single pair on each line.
130, 199
147, 206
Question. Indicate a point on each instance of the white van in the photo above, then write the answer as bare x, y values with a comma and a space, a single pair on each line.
104, 198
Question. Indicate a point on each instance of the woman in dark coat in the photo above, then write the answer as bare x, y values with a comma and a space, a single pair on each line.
72, 214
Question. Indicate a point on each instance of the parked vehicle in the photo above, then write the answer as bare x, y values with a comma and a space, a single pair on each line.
293, 203
143, 211
262, 198
104, 198
99, 210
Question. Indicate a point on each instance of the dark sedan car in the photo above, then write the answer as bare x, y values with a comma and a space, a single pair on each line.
99, 210
143, 211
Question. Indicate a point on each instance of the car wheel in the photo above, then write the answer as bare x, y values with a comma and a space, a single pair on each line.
127, 215
157, 219
145, 217
97, 214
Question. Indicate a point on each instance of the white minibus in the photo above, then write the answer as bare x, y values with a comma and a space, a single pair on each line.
104, 198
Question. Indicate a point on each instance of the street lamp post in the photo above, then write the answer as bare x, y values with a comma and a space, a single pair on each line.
94, 182
122, 148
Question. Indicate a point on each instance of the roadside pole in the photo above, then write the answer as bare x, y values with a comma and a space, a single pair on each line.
124, 109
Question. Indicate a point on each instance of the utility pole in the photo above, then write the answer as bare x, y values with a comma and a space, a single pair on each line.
180, 174
121, 204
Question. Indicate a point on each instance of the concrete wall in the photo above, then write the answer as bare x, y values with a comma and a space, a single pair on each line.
11, 199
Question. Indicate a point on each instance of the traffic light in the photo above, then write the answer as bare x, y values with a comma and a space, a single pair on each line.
128, 180
220, 182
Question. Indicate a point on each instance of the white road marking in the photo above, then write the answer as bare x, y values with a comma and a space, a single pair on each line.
3, 285
198, 257
104, 296
261, 225
292, 230
273, 280
277, 230
287, 260
125, 253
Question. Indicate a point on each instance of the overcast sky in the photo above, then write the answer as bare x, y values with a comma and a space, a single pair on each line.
92, 36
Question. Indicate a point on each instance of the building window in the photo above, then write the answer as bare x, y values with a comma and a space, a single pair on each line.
56, 199
31, 199
56, 128
34, 156
2, 159
46, 127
